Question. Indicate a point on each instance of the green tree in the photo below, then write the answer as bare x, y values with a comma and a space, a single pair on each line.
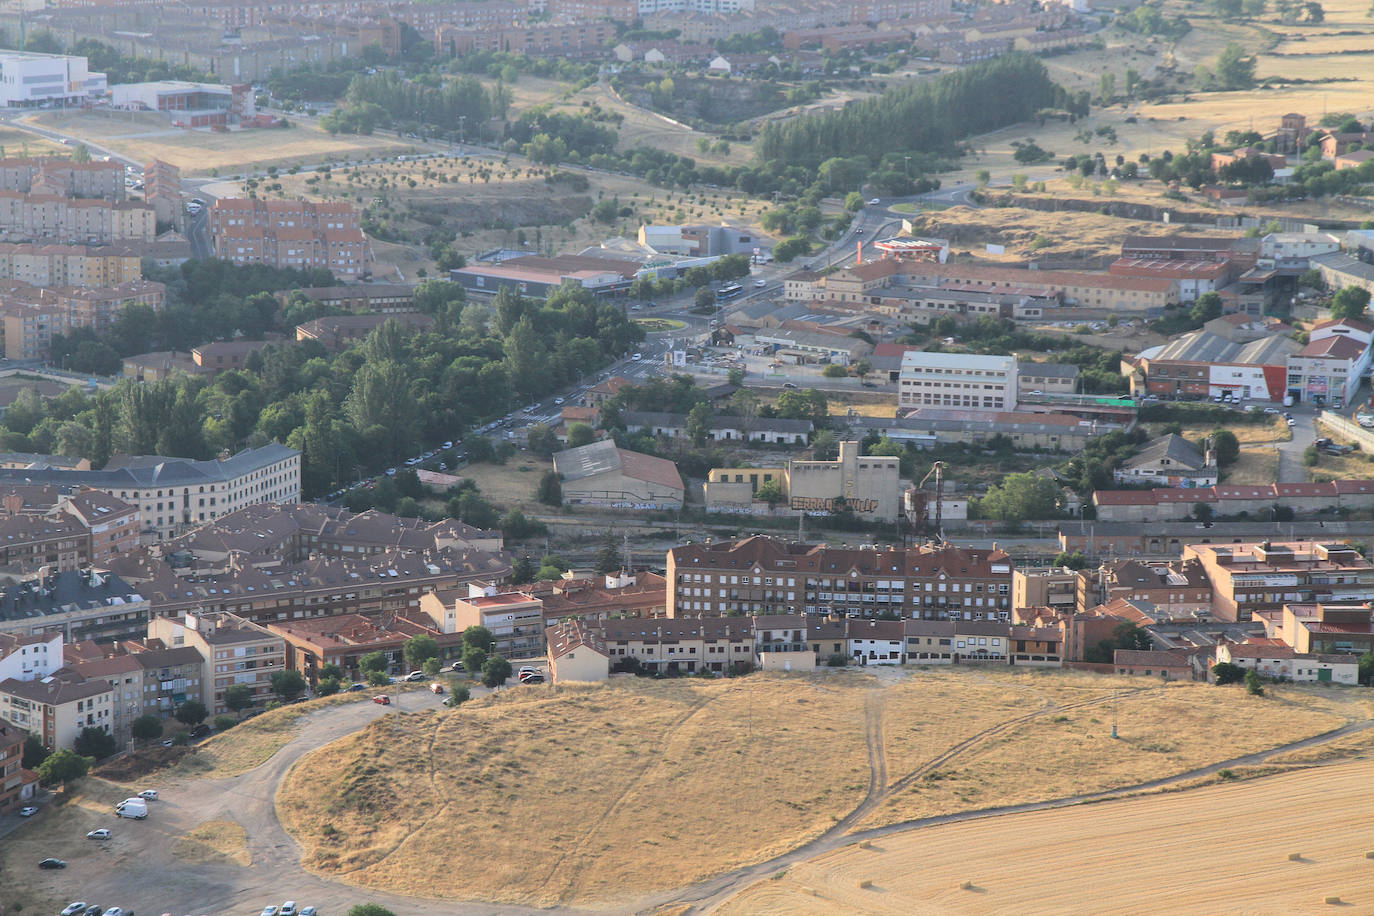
146, 728
1021, 497
288, 684
769, 492
378, 678
836, 660
699, 423
370, 909
981, 178
735, 377
825, 446
328, 686
1234, 70
1227, 673
431, 667
192, 712
458, 695
523, 570
580, 434
331, 670
480, 637
373, 661
1227, 446
64, 766
608, 558
835, 371
34, 752
550, 491
853, 201
495, 671
1350, 302
95, 742
541, 440
81, 153
418, 649
238, 698
1366, 673
704, 298
474, 657
1106, 87
224, 723
1074, 560
1252, 683
1207, 307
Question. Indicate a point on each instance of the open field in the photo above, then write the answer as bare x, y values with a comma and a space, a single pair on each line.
1257, 434
143, 136
214, 843
1258, 466
1194, 848
584, 794
16, 142
511, 484
614, 777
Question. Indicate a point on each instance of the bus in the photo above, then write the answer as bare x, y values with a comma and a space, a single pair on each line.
729, 292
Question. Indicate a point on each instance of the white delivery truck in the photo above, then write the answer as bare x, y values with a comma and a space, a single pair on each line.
132, 807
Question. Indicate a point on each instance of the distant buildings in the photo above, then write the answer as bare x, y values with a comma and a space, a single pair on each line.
961, 380
339, 332
298, 234
176, 494
31, 315
189, 104
703, 241
1170, 461
1251, 578
869, 487
536, 277
207, 359
28, 79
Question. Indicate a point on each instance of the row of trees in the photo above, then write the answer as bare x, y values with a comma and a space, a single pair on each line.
359, 410
385, 99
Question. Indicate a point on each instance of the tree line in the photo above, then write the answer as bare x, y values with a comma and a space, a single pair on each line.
386, 99
349, 413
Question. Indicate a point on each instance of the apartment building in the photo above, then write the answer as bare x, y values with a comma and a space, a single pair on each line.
576, 653
297, 234
69, 265
367, 297
56, 711
30, 657
1054, 587
12, 783
344, 639
762, 575
686, 646
99, 307
233, 651
960, 380
516, 620
27, 216
1179, 588
144, 682
63, 176
111, 524
79, 604
1249, 578
174, 494
337, 333
1322, 628
579, 39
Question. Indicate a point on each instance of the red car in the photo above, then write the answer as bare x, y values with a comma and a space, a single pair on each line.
383, 700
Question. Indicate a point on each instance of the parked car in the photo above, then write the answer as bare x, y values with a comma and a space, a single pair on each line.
74, 908
456, 666
436, 687
382, 700
415, 676
101, 834
200, 731
94, 910
356, 688
150, 794
308, 911
114, 911
28, 811
52, 863
269, 910
287, 909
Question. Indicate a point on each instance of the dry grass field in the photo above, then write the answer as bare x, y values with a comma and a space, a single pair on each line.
611, 779
17, 142
1221, 849
511, 484
1255, 466
143, 136
586, 794
214, 843
254, 740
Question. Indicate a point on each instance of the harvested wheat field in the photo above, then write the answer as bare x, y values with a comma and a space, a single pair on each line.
1221, 849
581, 794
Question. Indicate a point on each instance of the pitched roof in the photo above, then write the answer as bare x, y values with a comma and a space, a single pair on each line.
1176, 449
1334, 347
603, 457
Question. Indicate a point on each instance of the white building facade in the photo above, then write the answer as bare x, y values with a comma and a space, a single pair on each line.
959, 380
28, 79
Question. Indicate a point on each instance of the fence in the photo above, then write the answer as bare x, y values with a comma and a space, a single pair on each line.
1347, 430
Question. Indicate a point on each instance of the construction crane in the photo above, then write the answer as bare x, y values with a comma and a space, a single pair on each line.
938, 471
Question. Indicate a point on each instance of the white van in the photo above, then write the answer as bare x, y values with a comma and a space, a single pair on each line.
136, 808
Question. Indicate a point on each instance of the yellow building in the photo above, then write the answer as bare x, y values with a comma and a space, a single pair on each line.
868, 486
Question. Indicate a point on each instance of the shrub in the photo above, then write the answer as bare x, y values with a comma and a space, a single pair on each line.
224, 723
837, 660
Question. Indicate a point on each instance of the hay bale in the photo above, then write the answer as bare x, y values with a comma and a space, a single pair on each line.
865, 845
966, 885
1332, 901
1370, 854
1295, 857
865, 884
